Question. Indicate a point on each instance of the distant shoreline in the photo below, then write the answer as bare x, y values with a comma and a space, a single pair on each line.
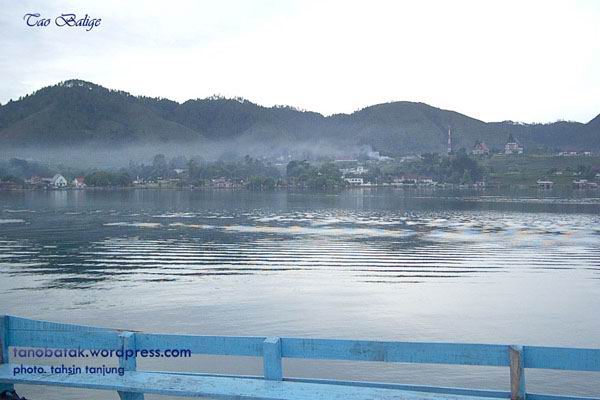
441, 188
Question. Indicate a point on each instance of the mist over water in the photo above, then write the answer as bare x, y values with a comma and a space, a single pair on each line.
381, 264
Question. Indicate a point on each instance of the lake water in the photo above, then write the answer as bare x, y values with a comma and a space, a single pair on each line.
379, 264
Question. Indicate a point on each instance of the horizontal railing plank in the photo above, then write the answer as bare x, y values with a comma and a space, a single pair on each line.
209, 345
60, 340
535, 396
25, 324
363, 350
570, 359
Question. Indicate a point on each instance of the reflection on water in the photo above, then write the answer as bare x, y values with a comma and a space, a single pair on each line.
381, 264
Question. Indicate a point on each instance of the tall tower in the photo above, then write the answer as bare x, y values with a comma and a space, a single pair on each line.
449, 141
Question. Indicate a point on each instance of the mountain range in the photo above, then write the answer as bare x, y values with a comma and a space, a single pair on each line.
77, 112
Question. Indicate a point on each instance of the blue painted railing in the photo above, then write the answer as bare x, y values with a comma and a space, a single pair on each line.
20, 332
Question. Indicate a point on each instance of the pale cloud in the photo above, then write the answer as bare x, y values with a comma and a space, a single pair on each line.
494, 60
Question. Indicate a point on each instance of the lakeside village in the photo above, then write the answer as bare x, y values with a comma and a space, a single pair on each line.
477, 168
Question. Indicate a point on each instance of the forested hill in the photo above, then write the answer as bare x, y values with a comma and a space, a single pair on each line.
76, 112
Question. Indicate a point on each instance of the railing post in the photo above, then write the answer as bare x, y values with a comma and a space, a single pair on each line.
128, 363
272, 367
517, 373
4, 349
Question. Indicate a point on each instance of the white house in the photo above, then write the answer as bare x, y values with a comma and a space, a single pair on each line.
354, 181
359, 170
79, 182
567, 153
513, 148
480, 149
584, 184
59, 181
413, 180
425, 180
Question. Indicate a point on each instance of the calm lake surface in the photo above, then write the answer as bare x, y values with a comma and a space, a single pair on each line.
380, 264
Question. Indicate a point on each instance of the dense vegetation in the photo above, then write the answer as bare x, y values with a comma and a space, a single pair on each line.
108, 179
457, 169
78, 112
302, 174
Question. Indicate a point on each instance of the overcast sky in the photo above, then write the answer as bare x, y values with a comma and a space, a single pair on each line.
492, 60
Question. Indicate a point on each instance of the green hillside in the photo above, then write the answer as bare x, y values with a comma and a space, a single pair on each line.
79, 112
